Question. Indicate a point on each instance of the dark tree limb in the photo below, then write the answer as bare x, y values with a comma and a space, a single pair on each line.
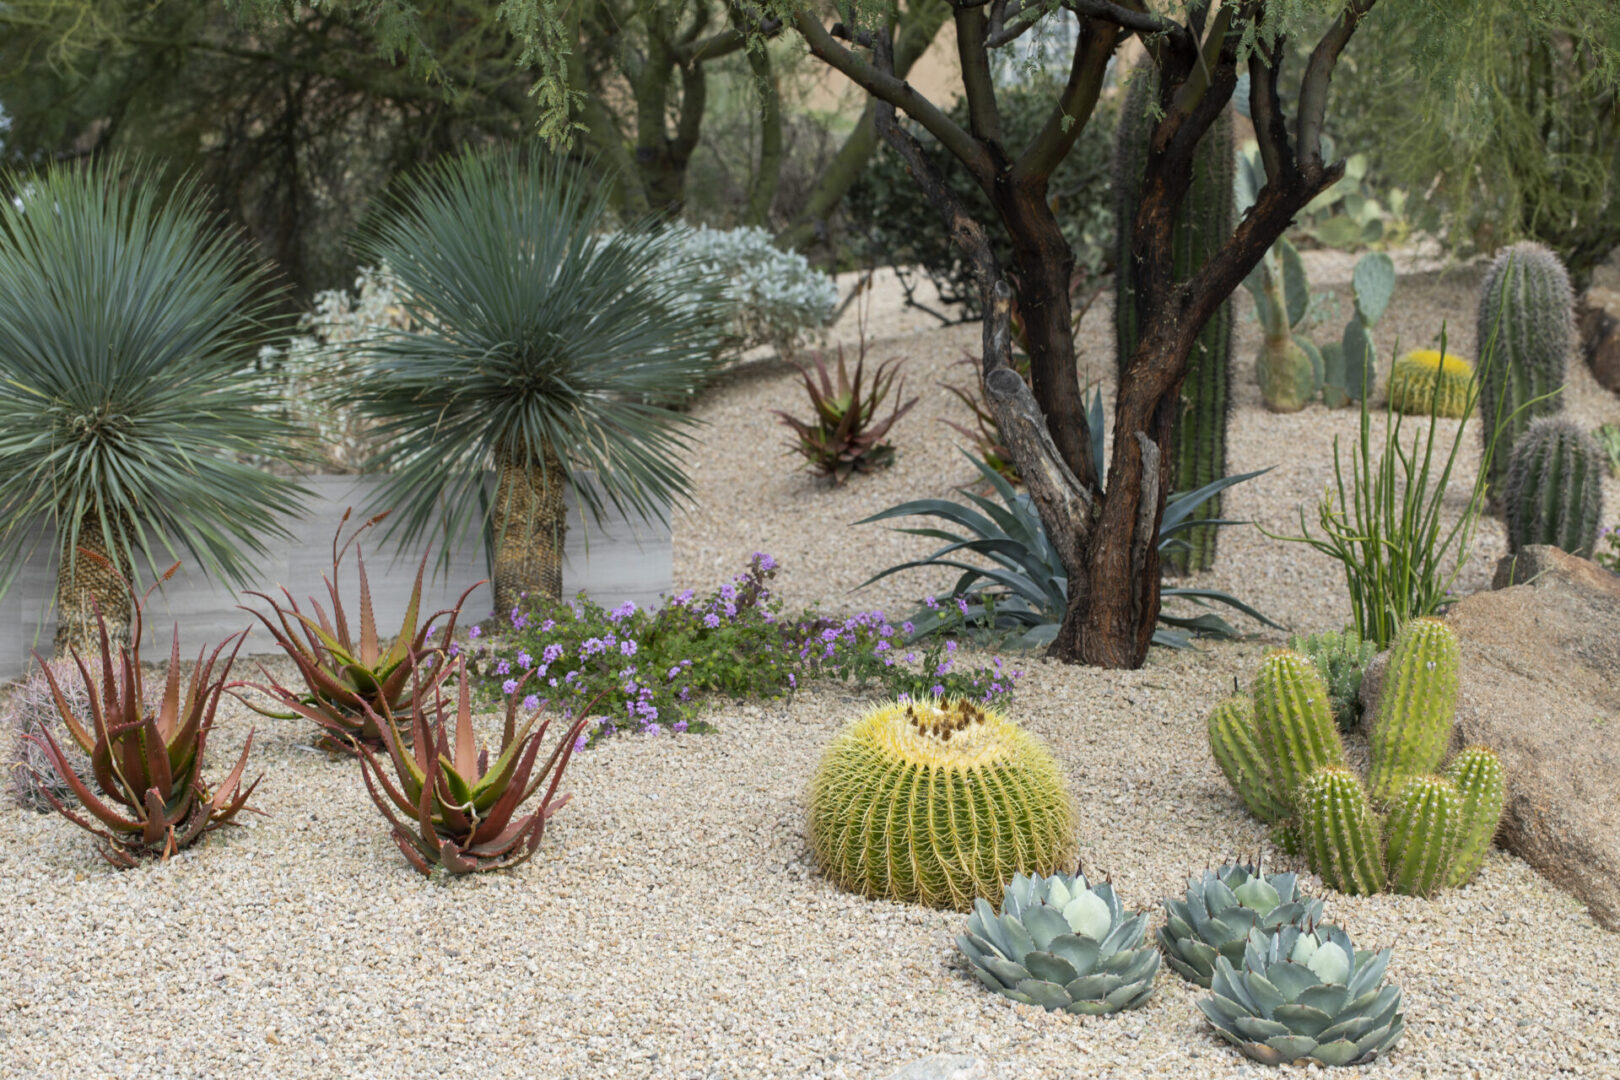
1074, 107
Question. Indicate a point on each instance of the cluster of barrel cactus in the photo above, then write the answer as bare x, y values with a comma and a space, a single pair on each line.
1554, 490
1424, 382
1202, 225
1407, 827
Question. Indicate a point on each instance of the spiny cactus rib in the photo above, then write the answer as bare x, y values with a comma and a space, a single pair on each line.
938, 802
1423, 836
1554, 492
1294, 721
1476, 773
1232, 741
1527, 308
1340, 833
1415, 707
1202, 226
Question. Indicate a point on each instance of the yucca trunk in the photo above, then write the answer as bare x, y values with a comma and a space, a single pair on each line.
530, 525
85, 582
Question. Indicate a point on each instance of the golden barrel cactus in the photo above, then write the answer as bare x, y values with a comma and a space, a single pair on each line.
938, 802
1420, 377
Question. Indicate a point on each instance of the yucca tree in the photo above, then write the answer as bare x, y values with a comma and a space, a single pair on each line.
547, 347
129, 323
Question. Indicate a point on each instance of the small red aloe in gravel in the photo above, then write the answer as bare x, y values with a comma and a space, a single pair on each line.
147, 764
350, 680
845, 435
452, 807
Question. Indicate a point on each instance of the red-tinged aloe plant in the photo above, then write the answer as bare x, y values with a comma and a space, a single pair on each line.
846, 436
147, 765
449, 805
349, 682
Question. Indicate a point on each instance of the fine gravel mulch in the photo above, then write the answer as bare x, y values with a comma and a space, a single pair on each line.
672, 925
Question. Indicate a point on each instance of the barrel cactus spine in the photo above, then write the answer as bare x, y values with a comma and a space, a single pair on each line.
1233, 741
1203, 224
1423, 833
1526, 329
1554, 491
938, 802
1340, 833
1294, 720
1476, 774
1425, 382
1416, 707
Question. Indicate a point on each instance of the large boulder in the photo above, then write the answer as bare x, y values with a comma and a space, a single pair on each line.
1598, 318
1541, 687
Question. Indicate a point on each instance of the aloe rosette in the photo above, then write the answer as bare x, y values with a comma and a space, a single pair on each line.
1061, 944
1305, 997
1219, 909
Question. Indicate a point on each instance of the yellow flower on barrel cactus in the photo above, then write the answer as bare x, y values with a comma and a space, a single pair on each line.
938, 802
1419, 377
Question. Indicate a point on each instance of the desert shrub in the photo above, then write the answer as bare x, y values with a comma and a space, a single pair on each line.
28, 713
889, 223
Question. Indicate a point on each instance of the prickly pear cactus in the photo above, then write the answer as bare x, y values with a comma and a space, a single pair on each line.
1339, 832
1294, 722
1415, 708
1232, 739
1525, 332
1476, 773
1423, 831
1202, 226
1554, 492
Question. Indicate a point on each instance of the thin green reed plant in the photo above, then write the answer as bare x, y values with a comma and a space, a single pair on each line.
1383, 523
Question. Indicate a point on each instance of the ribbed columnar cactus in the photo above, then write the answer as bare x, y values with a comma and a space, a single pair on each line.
1554, 492
938, 802
1294, 722
1422, 836
1202, 225
1526, 309
1476, 774
1232, 741
1415, 707
1340, 833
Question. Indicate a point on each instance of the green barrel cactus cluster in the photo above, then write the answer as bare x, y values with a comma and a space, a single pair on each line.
1062, 944
938, 802
1554, 492
1526, 329
1203, 224
1305, 997
1340, 657
1424, 383
1219, 909
1408, 826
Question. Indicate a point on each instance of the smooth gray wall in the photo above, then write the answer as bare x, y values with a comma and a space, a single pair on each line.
624, 562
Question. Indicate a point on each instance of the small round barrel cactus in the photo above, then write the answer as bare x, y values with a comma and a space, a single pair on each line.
1305, 997
1526, 330
1062, 944
1425, 382
1215, 916
1554, 489
938, 802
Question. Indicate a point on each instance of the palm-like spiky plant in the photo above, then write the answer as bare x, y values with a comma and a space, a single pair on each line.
542, 350
129, 325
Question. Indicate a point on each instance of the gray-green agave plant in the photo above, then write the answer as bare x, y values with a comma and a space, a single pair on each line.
1219, 910
1305, 996
1061, 944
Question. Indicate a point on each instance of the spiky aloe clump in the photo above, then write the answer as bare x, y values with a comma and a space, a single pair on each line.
1341, 657
1232, 739
1297, 735
938, 802
1476, 774
1424, 382
1202, 225
1340, 833
1554, 491
1415, 708
1527, 325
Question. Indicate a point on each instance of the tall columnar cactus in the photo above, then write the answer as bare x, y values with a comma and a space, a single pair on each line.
1476, 773
1339, 832
1202, 225
1554, 492
938, 802
1294, 720
1232, 741
1526, 309
1423, 831
1415, 707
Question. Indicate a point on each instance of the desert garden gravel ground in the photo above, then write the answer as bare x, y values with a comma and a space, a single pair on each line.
672, 926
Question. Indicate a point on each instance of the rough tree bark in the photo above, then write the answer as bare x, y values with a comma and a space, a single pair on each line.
1105, 535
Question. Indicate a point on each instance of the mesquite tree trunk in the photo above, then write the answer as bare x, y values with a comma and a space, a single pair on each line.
91, 579
530, 526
